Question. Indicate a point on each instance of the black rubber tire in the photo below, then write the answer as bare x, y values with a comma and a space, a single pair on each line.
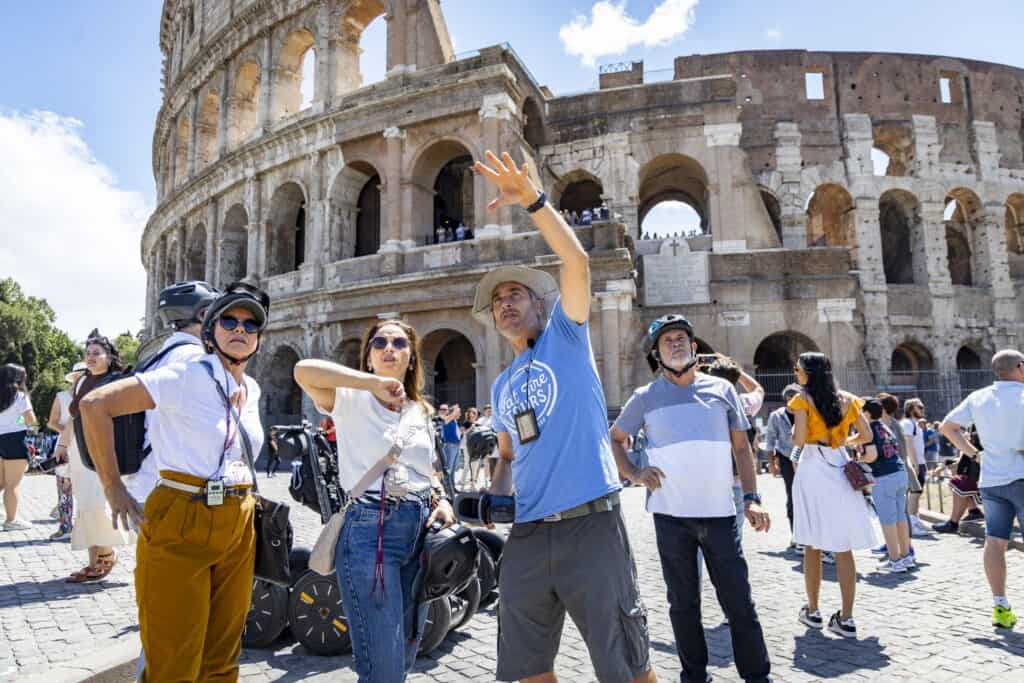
495, 543
317, 615
470, 595
268, 615
298, 562
439, 622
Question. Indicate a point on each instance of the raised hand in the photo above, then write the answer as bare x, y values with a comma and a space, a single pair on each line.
514, 184
390, 391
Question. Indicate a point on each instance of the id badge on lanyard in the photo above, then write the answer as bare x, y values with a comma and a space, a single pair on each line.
526, 425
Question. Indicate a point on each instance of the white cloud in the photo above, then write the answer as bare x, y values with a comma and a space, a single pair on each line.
68, 233
611, 31
773, 34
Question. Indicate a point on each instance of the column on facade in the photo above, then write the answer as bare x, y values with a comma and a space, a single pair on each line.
789, 164
993, 233
611, 354
934, 250
266, 79
622, 182
874, 291
172, 179
395, 198
193, 132
158, 278
496, 113
212, 240
225, 110
492, 365
150, 266
254, 238
316, 224
326, 59
179, 252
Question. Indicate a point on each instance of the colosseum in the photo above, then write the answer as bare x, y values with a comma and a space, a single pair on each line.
906, 272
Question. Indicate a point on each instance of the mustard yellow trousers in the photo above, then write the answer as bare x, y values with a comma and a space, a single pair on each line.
193, 582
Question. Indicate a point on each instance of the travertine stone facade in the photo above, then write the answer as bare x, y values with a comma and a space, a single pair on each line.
332, 204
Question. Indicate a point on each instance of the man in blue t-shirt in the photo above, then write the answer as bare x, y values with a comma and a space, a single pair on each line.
568, 550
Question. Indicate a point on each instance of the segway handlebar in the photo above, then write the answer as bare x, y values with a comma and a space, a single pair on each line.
480, 507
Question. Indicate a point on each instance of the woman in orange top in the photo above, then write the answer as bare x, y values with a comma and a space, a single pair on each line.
828, 514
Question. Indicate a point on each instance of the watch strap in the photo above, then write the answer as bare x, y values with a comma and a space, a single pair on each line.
542, 199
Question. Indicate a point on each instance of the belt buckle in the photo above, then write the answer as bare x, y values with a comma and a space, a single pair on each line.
557, 517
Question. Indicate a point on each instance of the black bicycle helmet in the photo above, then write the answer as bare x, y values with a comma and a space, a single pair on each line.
236, 295
672, 321
180, 304
481, 442
448, 562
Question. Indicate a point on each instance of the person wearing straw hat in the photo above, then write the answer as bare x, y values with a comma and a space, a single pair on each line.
59, 421
568, 550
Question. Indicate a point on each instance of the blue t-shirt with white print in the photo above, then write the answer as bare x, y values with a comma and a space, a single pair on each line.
571, 462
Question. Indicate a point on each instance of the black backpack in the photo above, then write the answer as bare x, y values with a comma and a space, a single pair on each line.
129, 430
314, 481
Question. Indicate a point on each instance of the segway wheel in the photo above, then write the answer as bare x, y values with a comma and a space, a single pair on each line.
439, 622
465, 603
268, 614
487, 573
317, 615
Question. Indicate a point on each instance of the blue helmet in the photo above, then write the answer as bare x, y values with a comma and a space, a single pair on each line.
672, 321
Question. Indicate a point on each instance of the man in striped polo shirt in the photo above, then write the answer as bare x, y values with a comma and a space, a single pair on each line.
696, 429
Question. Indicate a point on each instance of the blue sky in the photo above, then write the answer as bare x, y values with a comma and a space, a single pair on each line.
94, 67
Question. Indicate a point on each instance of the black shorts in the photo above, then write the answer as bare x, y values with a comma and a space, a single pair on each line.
12, 446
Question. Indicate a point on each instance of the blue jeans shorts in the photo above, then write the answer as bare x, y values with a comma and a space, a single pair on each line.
1002, 504
890, 497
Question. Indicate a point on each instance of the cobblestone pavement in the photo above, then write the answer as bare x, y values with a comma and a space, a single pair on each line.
932, 625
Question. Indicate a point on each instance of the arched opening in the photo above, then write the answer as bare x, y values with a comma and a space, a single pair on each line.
283, 397
244, 104
206, 129
234, 251
308, 78
830, 217
968, 359
287, 229
181, 151
195, 254
446, 167
971, 369
355, 212
899, 218
673, 198
581, 194
170, 275
775, 358
362, 52
771, 205
449, 361
908, 367
963, 218
347, 353
893, 151
533, 124
288, 77
1015, 235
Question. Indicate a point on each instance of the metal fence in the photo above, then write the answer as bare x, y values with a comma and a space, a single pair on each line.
940, 391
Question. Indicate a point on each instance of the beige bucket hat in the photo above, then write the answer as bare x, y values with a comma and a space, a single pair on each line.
540, 283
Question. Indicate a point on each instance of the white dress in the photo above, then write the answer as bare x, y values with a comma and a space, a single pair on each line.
827, 513
92, 516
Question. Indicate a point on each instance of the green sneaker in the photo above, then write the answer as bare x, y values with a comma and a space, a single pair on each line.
1003, 617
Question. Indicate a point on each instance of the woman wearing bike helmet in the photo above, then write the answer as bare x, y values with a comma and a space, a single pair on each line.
196, 548
377, 408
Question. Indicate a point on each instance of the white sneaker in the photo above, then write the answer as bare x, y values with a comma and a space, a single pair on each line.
847, 628
888, 566
17, 525
908, 562
917, 527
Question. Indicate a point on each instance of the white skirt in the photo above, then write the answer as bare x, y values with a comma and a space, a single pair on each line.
827, 513
92, 525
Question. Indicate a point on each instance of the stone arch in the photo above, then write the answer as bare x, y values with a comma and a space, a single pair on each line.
181, 150
207, 124
356, 18
1015, 234
908, 360
234, 247
775, 358
899, 218
443, 188
896, 142
243, 113
282, 395
195, 253
355, 211
774, 209
972, 367
964, 218
533, 123
170, 268
449, 361
579, 190
830, 217
287, 87
347, 353
674, 178
287, 229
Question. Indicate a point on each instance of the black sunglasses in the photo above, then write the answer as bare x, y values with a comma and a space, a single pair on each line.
230, 324
381, 343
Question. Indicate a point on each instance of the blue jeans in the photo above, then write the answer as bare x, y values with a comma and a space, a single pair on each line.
381, 623
1002, 504
451, 457
890, 498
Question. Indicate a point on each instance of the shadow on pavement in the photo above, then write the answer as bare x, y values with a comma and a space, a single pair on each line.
31, 592
829, 657
1007, 641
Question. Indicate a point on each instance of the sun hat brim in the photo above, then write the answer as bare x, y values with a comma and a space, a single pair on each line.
539, 282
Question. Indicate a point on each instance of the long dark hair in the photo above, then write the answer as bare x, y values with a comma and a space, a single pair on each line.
413, 380
821, 386
95, 338
12, 380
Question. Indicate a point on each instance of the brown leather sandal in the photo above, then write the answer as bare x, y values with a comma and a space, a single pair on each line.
104, 565
81, 576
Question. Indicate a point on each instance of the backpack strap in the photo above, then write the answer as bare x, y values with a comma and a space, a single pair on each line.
159, 356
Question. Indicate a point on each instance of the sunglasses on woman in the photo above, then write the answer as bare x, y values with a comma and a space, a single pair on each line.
230, 324
381, 343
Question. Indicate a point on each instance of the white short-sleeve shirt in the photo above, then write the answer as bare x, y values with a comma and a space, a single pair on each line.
366, 430
914, 432
192, 428
11, 418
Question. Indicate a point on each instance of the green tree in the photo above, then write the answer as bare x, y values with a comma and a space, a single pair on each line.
29, 337
127, 346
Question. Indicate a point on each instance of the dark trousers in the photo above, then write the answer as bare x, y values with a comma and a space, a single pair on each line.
786, 468
678, 539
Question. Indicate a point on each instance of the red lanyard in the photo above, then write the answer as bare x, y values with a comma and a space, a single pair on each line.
378, 567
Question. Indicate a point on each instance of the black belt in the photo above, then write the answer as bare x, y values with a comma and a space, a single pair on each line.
602, 504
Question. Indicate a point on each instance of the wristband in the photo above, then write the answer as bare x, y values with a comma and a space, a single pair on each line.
542, 199
752, 498
794, 455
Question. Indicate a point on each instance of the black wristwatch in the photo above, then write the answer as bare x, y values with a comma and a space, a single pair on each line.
542, 199
752, 498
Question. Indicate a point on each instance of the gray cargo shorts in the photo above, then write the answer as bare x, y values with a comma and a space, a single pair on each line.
583, 566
